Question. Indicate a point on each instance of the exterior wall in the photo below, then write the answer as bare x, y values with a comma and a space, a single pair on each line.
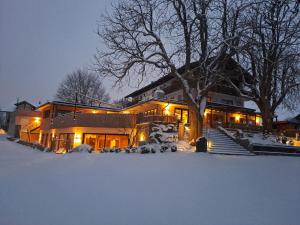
175, 96
170, 87
226, 99
24, 118
174, 92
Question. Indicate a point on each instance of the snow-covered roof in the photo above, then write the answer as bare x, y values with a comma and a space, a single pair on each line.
78, 105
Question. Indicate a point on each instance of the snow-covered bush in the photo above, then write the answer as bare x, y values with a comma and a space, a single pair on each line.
162, 133
82, 148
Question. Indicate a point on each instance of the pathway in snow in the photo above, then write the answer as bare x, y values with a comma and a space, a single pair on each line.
157, 189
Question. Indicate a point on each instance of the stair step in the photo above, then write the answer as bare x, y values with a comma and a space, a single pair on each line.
222, 144
227, 149
231, 153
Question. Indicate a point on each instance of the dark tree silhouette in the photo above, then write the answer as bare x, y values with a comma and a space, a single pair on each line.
86, 84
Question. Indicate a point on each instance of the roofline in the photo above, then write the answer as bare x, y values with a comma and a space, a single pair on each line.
19, 103
78, 105
154, 100
209, 104
150, 86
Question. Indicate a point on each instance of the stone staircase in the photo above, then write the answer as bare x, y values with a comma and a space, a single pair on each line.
222, 144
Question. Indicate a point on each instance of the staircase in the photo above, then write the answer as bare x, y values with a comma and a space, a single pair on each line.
222, 144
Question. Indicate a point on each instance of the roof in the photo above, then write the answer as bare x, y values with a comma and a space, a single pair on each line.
77, 105
214, 105
158, 82
293, 120
230, 66
24, 102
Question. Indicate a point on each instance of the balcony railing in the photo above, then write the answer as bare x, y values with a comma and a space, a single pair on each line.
156, 118
90, 120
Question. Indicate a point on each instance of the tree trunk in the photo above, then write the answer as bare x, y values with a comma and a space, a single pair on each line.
196, 121
267, 117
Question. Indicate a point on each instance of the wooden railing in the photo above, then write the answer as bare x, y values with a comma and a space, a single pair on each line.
90, 120
245, 127
156, 118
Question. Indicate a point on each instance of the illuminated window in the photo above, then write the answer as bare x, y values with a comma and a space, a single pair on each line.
100, 141
182, 115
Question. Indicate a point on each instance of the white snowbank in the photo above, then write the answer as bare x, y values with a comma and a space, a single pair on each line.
38, 188
82, 148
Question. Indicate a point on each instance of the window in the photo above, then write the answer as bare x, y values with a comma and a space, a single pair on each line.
100, 141
182, 115
150, 112
65, 141
61, 112
46, 114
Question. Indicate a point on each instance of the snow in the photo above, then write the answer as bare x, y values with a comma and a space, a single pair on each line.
170, 188
259, 138
82, 148
256, 138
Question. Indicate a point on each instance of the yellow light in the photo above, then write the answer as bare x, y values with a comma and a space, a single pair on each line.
113, 143
40, 137
205, 113
237, 118
167, 110
142, 137
37, 120
258, 121
77, 139
209, 144
94, 111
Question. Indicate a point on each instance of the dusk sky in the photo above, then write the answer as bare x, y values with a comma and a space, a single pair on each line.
41, 41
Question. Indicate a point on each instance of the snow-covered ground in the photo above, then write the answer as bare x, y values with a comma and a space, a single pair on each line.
179, 188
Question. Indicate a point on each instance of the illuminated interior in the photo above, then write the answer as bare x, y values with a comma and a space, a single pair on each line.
182, 115
167, 110
101, 141
77, 140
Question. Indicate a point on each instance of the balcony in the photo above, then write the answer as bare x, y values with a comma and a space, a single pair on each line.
156, 118
90, 120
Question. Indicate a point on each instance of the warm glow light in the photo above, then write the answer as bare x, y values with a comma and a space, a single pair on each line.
77, 139
205, 113
40, 137
37, 120
113, 143
258, 121
167, 110
209, 144
237, 118
126, 112
142, 137
94, 111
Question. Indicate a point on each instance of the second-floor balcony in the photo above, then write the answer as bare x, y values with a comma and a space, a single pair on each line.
156, 118
90, 120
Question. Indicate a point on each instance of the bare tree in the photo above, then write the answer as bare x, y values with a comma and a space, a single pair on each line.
86, 84
147, 36
272, 56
